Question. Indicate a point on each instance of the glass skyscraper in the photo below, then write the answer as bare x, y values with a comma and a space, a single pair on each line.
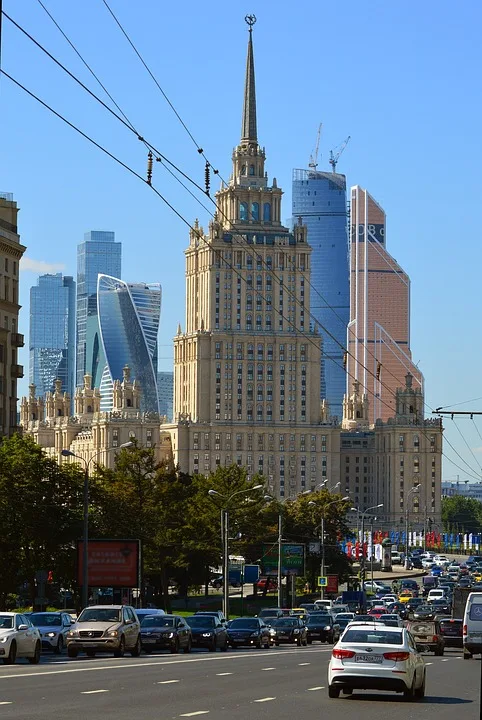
165, 386
52, 333
319, 198
129, 315
99, 253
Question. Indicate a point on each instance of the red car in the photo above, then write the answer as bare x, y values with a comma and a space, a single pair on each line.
377, 611
268, 583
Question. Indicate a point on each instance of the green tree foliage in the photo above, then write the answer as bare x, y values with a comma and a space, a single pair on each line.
461, 514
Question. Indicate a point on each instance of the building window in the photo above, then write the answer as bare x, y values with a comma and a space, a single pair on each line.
416, 465
243, 211
416, 442
267, 212
255, 211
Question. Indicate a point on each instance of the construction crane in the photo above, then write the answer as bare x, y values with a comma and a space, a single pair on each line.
335, 154
313, 164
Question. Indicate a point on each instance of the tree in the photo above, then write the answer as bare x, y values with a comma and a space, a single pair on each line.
461, 514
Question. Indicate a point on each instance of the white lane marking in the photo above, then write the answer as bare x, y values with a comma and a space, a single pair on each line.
428, 663
320, 687
301, 664
267, 699
167, 682
6, 702
446, 660
92, 692
222, 674
268, 668
198, 712
92, 667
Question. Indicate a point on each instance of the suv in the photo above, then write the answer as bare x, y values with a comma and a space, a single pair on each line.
427, 635
105, 628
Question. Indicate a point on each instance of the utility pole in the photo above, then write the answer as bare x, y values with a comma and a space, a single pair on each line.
280, 559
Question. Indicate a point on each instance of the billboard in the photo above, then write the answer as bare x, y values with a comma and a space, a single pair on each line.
292, 559
111, 563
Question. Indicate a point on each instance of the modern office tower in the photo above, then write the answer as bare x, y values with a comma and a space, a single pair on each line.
247, 366
11, 252
99, 253
129, 316
379, 331
319, 198
165, 386
52, 333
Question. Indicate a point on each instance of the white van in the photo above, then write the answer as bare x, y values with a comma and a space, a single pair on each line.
473, 625
436, 594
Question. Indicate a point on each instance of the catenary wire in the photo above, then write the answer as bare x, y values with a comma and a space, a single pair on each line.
465, 441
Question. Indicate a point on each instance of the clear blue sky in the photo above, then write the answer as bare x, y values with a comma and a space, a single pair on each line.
402, 78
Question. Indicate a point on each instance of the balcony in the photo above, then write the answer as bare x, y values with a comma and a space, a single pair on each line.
16, 371
17, 340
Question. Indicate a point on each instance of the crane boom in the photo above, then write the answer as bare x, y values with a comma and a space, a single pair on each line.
335, 154
313, 164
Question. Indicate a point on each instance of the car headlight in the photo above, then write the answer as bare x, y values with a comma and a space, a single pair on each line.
170, 635
254, 634
5, 639
296, 631
272, 631
51, 634
113, 633
327, 627
73, 633
207, 634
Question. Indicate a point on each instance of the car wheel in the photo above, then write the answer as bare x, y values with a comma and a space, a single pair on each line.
439, 651
212, 647
136, 650
409, 693
12, 655
224, 647
72, 652
175, 647
333, 692
347, 691
267, 645
258, 644
90, 653
188, 647
276, 643
420, 692
298, 641
60, 646
233, 646
121, 649
305, 642
467, 655
36, 658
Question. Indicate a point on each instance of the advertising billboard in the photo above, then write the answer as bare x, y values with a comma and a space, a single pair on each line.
111, 563
292, 559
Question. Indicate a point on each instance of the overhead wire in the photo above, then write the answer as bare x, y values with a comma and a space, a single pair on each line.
466, 443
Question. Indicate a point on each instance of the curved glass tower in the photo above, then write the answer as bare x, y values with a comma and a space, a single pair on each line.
129, 316
319, 198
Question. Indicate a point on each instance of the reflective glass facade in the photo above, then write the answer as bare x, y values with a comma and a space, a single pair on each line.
165, 386
129, 316
52, 333
98, 254
319, 198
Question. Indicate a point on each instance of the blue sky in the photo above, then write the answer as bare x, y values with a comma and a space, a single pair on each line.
402, 78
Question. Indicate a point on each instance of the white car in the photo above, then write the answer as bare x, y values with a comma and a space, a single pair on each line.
396, 558
53, 627
441, 560
372, 656
388, 599
427, 562
18, 638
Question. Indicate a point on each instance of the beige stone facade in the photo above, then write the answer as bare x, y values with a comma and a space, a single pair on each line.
11, 252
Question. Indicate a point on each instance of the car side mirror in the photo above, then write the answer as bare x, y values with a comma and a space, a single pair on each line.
23, 627
72, 622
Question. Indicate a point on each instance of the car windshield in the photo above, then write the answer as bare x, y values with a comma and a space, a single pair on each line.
372, 637
425, 608
286, 622
243, 624
268, 613
100, 615
319, 619
6, 622
200, 621
157, 621
50, 619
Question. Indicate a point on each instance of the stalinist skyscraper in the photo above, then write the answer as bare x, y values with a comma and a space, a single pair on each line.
247, 366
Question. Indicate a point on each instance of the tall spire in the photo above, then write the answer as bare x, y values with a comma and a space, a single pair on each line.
249, 131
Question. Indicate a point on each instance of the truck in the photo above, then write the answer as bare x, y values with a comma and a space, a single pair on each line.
355, 599
459, 601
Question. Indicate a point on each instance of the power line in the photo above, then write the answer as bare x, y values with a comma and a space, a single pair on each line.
466, 443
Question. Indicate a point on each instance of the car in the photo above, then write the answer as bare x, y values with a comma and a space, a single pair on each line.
208, 632
442, 606
464, 582
416, 562
396, 558
427, 635
424, 612
322, 628
322, 603
376, 657
18, 638
452, 631
105, 628
267, 583
213, 613
405, 596
414, 603
289, 630
270, 614
409, 584
374, 585
436, 570
249, 631
218, 582
399, 608
286, 612
302, 612
165, 632
392, 620
435, 594
388, 599
441, 560
53, 628
377, 611
309, 607
148, 612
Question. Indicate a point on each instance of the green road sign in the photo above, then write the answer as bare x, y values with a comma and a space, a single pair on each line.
322, 581
292, 559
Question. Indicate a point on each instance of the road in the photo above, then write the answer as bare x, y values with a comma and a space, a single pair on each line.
280, 683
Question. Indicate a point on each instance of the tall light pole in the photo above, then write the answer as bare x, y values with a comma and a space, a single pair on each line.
225, 538
410, 492
362, 563
322, 535
85, 539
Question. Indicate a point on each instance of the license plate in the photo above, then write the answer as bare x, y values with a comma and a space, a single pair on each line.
148, 640
422, 637
474, 636
377, 659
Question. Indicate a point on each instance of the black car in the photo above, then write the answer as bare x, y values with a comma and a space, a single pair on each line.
399, 608
442, 607
248, 631
269, 615
424, 612
452, 631
213, 613
416, 562
208, 632
165, 632
414, 603
322, 628
289, 630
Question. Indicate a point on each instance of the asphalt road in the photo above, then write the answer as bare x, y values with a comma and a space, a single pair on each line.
280, 683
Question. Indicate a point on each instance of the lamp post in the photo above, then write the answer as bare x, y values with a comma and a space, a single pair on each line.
322, 535
410, 492
85, 534
225, 538
362, 563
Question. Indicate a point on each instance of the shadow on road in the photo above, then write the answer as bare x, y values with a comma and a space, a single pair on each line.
434, 699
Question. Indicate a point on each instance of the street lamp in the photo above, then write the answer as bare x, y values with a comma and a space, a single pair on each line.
410, 492
362, 564
280, 551
85, 540
322, 534
225, 538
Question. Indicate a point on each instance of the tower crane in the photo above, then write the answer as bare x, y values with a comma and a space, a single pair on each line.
335, 154
313, 164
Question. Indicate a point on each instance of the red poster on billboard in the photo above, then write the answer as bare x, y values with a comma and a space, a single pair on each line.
111, 563
331, 583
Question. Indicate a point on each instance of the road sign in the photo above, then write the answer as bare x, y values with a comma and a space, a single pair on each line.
251, 573
292, 558
322, 581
